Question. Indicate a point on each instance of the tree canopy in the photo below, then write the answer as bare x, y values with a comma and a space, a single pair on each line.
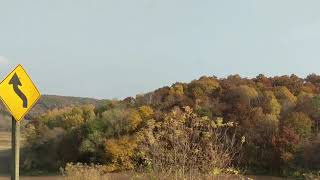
278, 117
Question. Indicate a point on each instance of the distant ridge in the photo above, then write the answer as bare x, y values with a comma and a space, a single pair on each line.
49, 102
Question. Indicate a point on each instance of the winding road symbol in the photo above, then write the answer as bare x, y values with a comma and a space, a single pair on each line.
18, 93
15, 81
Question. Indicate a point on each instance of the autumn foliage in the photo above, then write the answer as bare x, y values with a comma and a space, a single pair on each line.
275, 128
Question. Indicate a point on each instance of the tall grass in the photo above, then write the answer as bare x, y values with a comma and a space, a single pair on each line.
312, 176
83, 172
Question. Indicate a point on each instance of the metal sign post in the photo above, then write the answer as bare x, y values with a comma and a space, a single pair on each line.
19, 95
15, 149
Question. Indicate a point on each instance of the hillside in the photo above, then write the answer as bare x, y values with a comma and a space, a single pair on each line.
49, 102
266, 124
46, 103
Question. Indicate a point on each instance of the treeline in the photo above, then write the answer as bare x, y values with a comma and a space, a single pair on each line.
271, 125
50, 102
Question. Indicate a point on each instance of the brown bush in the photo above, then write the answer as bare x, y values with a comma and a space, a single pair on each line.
83, 172
187, 145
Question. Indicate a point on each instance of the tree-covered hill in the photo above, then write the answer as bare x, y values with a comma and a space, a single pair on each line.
49, 102
262, 124
46, 103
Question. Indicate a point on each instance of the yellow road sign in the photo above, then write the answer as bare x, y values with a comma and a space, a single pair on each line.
18, 93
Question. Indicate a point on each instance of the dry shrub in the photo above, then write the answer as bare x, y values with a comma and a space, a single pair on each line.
83, 172
225, 174
187, 146
312, 176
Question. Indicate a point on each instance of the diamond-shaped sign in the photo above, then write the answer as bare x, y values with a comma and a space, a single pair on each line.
18, 93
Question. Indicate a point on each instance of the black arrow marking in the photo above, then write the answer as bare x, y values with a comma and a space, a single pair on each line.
15, 81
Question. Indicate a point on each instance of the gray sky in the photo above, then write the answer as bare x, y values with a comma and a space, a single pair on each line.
119, 48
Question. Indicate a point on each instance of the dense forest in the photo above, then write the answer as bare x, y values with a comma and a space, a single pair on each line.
265, 125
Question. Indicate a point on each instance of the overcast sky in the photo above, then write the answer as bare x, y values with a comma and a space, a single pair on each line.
119, 48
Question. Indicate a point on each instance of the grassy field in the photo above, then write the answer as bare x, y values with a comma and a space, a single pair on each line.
5, 152
5, 140
5, 145
34, 178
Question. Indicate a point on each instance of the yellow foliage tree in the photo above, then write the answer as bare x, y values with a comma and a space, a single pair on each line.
285, 97
134, 119
121, 152
146, 112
